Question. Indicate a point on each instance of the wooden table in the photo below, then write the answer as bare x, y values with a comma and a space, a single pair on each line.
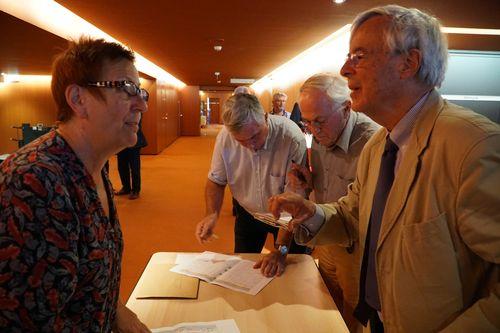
298, 301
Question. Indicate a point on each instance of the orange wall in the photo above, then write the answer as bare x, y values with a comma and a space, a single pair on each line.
160, 123
23, 102
28, 102
190, 110
222, 96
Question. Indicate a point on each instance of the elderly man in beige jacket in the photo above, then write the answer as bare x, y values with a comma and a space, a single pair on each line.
425, 203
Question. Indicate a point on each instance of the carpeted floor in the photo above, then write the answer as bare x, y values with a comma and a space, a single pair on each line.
172, 202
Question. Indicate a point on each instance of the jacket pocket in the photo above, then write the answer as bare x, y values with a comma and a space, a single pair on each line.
431, 266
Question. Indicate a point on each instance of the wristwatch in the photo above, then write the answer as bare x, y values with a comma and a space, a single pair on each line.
283, 250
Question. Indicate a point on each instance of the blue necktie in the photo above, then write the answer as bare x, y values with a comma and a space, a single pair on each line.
384, 184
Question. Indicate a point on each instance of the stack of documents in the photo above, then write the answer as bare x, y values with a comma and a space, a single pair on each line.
227, 271
268, 218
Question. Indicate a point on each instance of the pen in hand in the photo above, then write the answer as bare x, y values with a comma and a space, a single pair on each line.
297, 173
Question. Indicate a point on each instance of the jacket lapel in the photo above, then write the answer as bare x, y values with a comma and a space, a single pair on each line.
410, 163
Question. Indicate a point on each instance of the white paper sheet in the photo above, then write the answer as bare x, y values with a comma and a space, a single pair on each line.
227, 271
219, 326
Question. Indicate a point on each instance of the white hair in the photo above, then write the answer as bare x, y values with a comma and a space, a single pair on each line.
279, 94
243, 90
334, 86
241, 109
409, 29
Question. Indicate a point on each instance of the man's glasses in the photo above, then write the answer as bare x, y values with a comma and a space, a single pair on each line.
319, 124
355, 58
128, 86
315, 123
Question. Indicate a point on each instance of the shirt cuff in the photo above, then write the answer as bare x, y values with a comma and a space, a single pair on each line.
310, 227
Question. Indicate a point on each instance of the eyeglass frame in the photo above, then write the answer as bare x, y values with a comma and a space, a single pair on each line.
355, 57
319, 124
141, 92
358, 55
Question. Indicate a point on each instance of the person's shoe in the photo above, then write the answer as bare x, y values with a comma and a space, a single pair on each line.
133, 195
122, 192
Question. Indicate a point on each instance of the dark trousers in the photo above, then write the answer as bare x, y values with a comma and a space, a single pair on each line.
376, 325
129, 164
250, 234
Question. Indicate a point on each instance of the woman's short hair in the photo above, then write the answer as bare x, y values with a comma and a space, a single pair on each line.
81, 63
409, 29
242, 109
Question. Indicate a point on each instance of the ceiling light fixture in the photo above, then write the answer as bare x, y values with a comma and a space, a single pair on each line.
218, 48
320, 57
241, 81
13, 78
470, 31
338, 2
54, 18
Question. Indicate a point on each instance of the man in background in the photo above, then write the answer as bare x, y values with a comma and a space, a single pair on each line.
424, 204
60, 238
129, 167
279, 105
339, 136
279, 108
253, 154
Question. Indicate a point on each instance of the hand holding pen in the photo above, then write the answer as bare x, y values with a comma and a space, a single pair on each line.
300, 178
204, 230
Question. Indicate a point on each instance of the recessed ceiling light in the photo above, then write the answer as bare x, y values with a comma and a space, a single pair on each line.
339, 1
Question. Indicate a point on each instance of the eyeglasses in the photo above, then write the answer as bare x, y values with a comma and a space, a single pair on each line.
318, 124
355, 58
127, 86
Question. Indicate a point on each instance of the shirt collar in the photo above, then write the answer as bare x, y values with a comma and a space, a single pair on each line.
400, 133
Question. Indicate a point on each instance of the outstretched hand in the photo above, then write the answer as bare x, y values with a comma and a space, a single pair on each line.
296, 205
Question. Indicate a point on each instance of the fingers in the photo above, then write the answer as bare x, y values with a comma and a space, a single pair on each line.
280, 270
270, 270
203, 232
200, 233
271, 265
275, 205
287, 201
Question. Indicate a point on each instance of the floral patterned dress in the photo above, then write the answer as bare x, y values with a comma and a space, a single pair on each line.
60, 255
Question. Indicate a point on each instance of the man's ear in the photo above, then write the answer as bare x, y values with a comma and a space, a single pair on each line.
76, 98
411, 64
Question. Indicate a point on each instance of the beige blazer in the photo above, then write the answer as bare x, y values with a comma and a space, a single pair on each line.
438, 251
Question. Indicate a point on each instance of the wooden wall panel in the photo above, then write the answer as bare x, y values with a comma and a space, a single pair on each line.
190, 111
149, 118
222, 96
23, 102
172, 115
27, 102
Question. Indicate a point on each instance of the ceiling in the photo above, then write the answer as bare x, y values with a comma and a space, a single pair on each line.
258, 35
